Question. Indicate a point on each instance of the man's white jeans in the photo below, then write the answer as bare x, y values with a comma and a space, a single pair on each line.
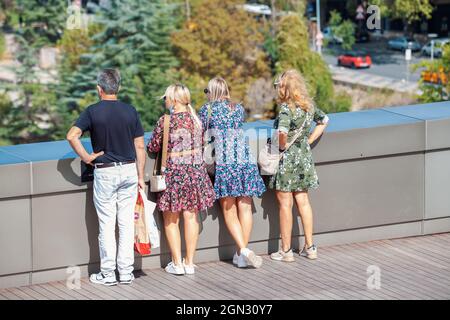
115, 194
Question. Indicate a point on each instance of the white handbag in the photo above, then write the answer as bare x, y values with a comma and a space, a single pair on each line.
152, 228
158, 179
270, 156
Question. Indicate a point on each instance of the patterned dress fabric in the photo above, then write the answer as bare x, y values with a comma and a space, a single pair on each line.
237, 172
296, 170
188, 184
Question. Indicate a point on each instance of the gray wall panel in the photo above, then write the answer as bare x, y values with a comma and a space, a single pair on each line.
57, 176
65, 230
437, 199
438, 134
16, 180
366, 193
371, 142
15, 236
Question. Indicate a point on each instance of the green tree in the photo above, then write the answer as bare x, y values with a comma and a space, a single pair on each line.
221, 40
32, 116
411, 10
42, 21
133, 36
344, 29
294, 52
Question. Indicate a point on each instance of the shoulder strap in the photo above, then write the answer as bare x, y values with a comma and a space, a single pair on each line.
165, 142
299, 132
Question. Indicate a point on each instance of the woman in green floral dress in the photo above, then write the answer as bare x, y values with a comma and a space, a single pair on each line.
296, 173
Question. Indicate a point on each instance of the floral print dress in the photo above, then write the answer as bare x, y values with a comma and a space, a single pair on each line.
296, 170
188, 184
237, 172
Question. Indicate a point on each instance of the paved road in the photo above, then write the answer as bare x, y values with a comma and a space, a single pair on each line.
385, 62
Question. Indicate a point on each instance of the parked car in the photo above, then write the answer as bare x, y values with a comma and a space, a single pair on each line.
355, 59
437, 50
403, 43
329, 37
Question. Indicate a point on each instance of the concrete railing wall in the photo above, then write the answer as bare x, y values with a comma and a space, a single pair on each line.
384, 173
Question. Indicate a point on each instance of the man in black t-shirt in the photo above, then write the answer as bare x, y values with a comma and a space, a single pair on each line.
117, 140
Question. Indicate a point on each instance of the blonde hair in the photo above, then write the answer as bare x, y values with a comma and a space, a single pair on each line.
218, 89
178, 93
292, 90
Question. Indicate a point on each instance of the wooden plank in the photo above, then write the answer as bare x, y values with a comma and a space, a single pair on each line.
343, 268
164, 293
394, 272
364, 262
430, 270
241, 280
20, 294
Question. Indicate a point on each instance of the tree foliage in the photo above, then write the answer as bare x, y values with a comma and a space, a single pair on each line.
221, 40
344, 29
133, 36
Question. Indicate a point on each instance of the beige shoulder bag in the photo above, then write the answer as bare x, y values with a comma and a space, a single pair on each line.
158, 179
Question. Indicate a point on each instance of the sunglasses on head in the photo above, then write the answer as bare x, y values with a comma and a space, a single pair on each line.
206, 91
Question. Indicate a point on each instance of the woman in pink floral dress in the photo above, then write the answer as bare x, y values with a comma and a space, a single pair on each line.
189, 188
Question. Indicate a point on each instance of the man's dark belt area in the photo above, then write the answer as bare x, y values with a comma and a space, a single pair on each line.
111, 164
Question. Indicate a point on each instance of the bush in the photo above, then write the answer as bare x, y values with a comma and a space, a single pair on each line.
2, 44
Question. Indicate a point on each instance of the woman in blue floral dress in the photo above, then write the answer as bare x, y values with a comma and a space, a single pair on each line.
237, 178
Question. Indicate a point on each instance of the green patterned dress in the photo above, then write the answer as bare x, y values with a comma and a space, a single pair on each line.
296, 171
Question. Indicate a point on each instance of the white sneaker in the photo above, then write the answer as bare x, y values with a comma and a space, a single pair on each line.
310, 253
251, 258
172, 268
280, 255
106, 279
239, 261
235, 259
189, 269
126, 278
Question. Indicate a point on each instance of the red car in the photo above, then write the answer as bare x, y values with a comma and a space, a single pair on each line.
355, 60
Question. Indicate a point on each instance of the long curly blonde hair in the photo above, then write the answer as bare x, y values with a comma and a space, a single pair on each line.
292, 90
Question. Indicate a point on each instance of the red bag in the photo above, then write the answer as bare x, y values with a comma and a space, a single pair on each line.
141, 236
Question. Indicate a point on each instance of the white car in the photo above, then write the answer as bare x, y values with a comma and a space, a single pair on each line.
437, 50
329, 37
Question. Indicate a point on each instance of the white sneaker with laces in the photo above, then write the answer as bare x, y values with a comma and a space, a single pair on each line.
126, 278
106, 279
172, 268
251, 258
310, 253
189, 269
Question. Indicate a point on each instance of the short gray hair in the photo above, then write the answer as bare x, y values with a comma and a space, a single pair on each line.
109, 81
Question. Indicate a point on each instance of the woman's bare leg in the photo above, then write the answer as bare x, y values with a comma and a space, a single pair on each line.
191, 230
285, 203
244, 205
306, 214
230, 215
172, 230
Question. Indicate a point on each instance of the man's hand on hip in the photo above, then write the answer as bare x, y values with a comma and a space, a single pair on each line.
91, 157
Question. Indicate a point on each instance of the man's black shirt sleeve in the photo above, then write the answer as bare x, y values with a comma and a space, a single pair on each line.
84, 121
139, 131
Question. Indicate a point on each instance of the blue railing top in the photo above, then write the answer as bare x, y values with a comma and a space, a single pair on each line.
58, 150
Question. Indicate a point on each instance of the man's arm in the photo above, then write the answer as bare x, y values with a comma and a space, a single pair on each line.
139, 145
73, 136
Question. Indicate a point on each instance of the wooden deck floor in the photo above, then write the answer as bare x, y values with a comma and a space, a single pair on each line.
410, 268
